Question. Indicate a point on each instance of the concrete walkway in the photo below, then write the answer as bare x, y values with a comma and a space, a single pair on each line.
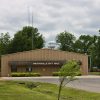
87, 83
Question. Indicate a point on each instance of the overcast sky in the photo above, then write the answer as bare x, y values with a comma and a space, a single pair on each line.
51, 16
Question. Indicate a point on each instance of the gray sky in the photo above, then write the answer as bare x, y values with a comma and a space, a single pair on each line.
51, 16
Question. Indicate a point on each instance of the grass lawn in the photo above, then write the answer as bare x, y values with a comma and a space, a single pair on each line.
10, 90
94, 73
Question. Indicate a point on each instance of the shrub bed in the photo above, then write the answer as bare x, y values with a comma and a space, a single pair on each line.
25, 74
55, 73
79, 73
58, 74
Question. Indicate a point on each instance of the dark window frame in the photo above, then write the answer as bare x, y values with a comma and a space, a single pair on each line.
13, 68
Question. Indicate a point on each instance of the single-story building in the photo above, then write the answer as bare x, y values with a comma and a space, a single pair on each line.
43, 61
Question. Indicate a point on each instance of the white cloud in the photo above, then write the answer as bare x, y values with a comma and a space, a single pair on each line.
51, 16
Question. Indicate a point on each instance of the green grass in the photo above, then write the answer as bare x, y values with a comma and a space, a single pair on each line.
11, 90
94, 73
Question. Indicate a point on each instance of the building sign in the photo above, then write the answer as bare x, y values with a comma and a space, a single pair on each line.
36, 62
46, 63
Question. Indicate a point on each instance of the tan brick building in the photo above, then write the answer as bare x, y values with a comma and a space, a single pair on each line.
43, 61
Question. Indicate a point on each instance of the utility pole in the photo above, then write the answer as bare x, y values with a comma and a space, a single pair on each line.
28, 9
30, 21
32, 30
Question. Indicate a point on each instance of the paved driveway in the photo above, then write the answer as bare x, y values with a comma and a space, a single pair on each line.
88, 83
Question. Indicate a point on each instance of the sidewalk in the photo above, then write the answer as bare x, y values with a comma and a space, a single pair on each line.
84, 76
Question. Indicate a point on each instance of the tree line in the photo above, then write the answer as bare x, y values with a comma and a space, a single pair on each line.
22, 41
85, 44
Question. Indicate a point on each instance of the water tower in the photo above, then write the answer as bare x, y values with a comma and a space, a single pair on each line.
53, 45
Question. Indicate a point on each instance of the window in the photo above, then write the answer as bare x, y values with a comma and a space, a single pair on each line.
13, 68
28, 69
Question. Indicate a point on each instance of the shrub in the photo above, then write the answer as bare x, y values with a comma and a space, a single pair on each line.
31, 85
79, 73
25, 74
56, 73
79, 62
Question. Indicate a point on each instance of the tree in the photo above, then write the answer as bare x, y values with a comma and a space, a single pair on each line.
97, 53
67, 73
4, 43
87, 44
22, 40
83, 43
92, 51
66, 40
